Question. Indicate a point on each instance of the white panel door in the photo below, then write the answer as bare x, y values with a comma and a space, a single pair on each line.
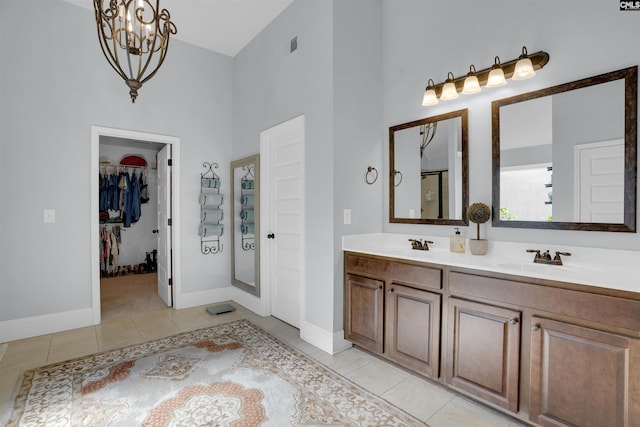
283, 226
601, 182
164, 232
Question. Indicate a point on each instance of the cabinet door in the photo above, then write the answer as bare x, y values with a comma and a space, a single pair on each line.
413, 329
579, 376
483, 351
364, 311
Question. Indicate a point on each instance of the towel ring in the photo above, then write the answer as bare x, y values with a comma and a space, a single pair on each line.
397, 172
366, 175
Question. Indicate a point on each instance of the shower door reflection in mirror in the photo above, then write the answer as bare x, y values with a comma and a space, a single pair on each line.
245, 224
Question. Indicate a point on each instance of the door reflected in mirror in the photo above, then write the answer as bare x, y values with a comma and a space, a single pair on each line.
428, 181
245, 227
565, 157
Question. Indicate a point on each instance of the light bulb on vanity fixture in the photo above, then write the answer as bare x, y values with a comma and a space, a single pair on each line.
449, 90
430, 97
524, 67
496, 75
471, 83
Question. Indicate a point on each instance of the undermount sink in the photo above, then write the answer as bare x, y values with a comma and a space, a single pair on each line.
531, 267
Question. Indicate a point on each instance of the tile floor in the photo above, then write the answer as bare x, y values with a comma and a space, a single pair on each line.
427, 401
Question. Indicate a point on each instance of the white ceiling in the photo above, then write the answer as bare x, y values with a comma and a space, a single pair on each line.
224, 26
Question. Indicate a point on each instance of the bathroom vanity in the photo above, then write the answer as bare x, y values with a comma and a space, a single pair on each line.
551, 345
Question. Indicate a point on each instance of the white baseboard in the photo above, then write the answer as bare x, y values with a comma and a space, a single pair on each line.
213, 296
27, 327
331, 342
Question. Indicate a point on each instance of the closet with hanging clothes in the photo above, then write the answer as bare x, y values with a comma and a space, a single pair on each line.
128, 210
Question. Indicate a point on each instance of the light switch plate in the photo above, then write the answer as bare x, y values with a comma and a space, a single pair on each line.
347, 216
49, 215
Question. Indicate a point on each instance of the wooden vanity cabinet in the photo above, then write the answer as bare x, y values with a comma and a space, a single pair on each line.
483, 351
397, 320
549, 353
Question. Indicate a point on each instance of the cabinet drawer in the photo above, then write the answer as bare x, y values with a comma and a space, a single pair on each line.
607, 310
400, 272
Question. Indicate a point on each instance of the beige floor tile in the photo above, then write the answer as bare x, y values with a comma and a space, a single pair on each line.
154, 324
462, 412
188, 319
27, 353
135, 293
3, 349
377, 376
418, 397
117, 333
71, 344
346, 361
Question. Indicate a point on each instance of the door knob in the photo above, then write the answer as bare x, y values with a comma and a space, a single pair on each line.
155, 231
271, 236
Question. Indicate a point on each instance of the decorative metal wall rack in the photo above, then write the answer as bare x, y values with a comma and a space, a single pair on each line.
211, 227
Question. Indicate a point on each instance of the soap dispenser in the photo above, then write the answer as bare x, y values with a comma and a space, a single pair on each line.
457, 242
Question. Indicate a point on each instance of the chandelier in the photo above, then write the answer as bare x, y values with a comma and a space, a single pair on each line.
134, 37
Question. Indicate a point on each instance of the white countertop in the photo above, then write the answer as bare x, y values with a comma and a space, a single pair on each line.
605, 268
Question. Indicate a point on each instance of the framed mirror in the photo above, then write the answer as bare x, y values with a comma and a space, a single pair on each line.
245, 224
565, 157
428, 170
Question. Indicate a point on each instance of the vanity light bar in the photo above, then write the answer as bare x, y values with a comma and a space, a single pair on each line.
434, 92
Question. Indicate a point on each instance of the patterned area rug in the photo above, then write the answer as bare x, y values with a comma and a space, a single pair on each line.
229, 375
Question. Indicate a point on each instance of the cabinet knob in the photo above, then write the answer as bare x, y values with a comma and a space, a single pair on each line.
379, 288
535, 328
391, 290
513, 321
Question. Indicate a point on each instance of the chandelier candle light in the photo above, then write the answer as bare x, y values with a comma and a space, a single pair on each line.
518, 69
134, 37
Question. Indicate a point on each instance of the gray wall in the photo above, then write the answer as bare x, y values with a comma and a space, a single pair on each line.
427, 39
357, 114
50, 96
334, 79
272, 86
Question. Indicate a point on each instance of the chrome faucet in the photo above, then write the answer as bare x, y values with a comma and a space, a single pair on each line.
545, 257
419, 245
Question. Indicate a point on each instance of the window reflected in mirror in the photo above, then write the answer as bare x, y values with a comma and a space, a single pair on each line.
428, 170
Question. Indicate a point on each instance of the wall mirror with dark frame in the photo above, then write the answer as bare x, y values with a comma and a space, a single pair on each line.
565, 157
245, 224
428, 170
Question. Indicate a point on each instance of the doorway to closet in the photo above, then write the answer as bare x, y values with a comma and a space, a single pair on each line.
134, 246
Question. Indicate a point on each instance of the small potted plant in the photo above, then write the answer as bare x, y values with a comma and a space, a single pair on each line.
479, 213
